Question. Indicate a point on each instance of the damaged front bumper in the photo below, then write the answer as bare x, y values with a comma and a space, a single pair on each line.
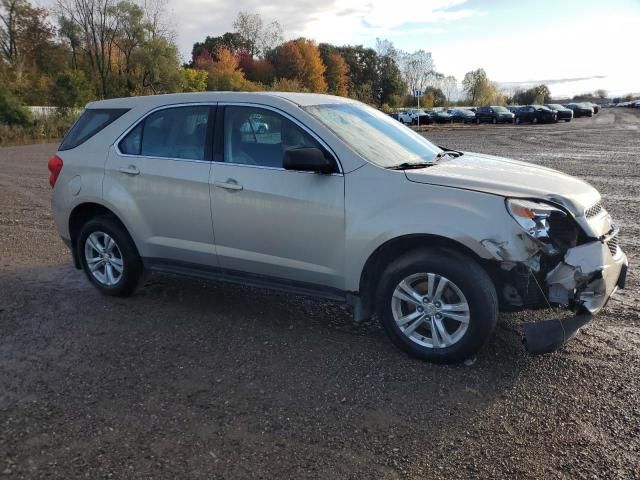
583, 278
586, 279
589, 274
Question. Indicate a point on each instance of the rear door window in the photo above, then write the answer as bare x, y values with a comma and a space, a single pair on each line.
90, 122
180, 132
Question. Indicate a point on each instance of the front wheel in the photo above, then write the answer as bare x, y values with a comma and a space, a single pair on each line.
494, 120
535, 120
109, 257
517, 121
437, 305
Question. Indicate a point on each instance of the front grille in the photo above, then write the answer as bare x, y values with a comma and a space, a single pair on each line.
594, 210
612, 244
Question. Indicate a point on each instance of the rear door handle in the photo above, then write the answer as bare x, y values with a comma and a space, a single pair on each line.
130, 170
230, 184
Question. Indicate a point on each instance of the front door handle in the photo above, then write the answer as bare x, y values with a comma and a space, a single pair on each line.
130, 170
230, 184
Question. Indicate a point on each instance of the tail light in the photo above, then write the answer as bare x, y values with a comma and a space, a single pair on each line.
55, 167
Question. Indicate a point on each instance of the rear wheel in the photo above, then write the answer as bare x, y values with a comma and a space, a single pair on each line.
109, 257
437, 305
478, 121
517, 121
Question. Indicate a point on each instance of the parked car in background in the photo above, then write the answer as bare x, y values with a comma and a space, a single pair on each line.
595, 106
440, 116
493, 114
563, 113
535, 114
337, 201
254, 124
462, 115
405, 117
513, 108
422, 118
580, 109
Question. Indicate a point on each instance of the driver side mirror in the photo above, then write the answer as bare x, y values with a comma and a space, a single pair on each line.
308, 159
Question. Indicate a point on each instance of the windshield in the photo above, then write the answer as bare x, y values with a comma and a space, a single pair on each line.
375, 136
499, 109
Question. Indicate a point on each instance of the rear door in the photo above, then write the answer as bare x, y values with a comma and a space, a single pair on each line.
157, 178
267, 220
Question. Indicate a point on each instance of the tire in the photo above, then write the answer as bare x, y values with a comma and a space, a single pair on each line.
517, 121
477, 121
494, 120
470, 279
534, 121
124, 256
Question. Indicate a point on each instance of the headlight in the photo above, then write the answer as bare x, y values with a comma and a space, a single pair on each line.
533, 217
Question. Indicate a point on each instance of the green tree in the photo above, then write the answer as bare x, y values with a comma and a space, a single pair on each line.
539, 94
192, 80
12, 110
71, 89
157, 66
389, 85
232, 41
476, 85
438, 98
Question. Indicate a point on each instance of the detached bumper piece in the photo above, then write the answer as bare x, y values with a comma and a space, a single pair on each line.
549, 335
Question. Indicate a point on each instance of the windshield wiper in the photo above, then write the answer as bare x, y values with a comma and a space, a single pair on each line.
410, 165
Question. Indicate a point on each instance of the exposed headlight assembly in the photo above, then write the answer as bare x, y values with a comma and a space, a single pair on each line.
533, 217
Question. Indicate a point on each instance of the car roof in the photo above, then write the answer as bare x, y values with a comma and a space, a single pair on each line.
152, 101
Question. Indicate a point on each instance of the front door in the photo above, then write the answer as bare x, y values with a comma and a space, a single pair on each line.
158, 177
268, 220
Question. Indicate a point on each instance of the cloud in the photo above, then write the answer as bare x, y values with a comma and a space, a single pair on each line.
336, 21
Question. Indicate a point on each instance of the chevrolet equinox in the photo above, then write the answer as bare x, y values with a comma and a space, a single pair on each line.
325, 196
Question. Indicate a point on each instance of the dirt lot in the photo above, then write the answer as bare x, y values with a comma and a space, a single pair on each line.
190, 379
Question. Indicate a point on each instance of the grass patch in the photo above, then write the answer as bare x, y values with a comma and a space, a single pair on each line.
49, 128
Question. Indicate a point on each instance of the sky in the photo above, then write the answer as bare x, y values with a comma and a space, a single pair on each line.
515, 41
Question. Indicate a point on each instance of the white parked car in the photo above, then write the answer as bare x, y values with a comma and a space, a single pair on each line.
338, 201
405, 117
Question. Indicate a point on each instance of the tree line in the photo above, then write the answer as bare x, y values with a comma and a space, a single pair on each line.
80, 50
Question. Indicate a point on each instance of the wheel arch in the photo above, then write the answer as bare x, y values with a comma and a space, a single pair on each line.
80, 215
393, 248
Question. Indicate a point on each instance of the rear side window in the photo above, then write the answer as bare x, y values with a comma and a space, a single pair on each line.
179, 132
90, 122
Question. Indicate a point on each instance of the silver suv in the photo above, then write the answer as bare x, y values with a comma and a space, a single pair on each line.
325, 196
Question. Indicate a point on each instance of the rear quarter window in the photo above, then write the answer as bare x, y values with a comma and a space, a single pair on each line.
90, 122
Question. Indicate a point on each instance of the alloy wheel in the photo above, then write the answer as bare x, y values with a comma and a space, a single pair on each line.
104, 258
430, 310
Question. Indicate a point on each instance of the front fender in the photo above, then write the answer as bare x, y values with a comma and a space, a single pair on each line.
479, 221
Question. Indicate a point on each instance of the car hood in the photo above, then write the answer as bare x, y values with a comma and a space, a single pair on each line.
508, 178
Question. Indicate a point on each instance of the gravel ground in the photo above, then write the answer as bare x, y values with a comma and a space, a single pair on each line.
194, 379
